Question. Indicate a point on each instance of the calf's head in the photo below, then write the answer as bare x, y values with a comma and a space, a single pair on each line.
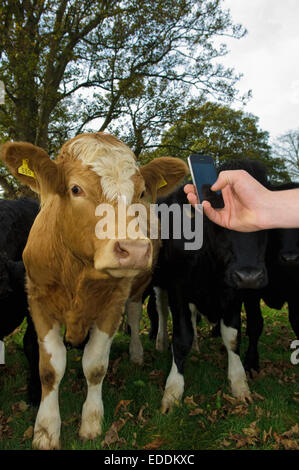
287, 246
241, 255
246, 268
90, 190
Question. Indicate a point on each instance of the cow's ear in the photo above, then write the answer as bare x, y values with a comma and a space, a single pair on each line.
162, 175
32, 166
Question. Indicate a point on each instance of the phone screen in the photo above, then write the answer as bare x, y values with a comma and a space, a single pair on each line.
204, 175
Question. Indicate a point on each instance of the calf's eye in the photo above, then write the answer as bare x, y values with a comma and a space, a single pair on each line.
77, 191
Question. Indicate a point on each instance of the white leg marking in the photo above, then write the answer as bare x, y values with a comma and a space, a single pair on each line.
95, 363
134, 311
163, 311
194, 313
236, 372
48, 422
174, 389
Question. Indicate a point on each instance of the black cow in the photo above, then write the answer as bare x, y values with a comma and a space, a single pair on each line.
209, 280
282, 260
16, 219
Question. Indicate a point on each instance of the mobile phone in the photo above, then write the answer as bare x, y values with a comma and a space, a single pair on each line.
204, 175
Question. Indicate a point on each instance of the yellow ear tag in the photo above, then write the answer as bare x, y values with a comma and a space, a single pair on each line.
25, 170
163, 183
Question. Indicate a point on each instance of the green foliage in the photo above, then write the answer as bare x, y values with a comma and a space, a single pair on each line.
223, 133
51, 49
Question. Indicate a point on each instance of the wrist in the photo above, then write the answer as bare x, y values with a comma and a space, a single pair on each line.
280, 209
269, 214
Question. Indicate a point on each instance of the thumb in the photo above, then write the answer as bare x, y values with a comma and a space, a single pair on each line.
224, 178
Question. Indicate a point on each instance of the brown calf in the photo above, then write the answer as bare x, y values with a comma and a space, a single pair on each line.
73, 277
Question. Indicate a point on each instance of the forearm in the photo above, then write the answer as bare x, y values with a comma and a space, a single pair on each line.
280, 210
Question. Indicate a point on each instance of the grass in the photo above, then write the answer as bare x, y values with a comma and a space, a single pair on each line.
209, 417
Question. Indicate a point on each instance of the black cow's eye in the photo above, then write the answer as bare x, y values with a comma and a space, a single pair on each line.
77, 191
142, 194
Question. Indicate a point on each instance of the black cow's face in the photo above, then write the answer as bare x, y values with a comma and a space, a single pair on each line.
245, 266
287, 242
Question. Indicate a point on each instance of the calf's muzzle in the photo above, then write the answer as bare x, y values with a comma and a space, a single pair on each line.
132, 254
249, 278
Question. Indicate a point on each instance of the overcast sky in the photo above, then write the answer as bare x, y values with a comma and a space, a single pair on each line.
268, 57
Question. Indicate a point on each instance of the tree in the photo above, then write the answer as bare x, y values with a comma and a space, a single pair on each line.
223, 133
51, 49
68, 64
287, 148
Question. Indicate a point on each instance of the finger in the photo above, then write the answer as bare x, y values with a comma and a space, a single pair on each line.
212, 214
192, 198
189, 188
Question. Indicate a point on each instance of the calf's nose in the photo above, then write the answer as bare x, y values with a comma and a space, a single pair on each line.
289, 258
133, 254
249, 278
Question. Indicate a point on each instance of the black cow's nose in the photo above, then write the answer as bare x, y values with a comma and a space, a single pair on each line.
289, 257
249, 278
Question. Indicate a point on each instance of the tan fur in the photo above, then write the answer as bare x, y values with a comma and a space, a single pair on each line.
63, 285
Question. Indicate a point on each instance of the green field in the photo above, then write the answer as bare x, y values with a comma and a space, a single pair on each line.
209, 418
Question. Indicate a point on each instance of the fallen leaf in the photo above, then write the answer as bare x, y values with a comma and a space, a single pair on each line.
252, 430
294, 430
225, 443
289, 444
267, 434
155, 444
28, 434
111, 436
229, 398
257, 396
190, 401
20, 406
240, 410
140, 416
121, 404
196, 412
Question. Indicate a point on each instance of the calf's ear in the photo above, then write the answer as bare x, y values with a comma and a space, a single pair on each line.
162, 175
32, 166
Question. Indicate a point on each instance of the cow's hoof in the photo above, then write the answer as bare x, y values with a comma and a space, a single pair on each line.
167, 405
136, 355
91, 424
44, 441
170, 400
241, 391
89, 434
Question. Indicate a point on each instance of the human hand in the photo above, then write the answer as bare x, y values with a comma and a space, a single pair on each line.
246, 201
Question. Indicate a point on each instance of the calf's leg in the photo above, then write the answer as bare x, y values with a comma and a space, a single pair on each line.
254, 330
31, 351
162, 308
181, 344
52, 362
95, 363
134, 311
236, 372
